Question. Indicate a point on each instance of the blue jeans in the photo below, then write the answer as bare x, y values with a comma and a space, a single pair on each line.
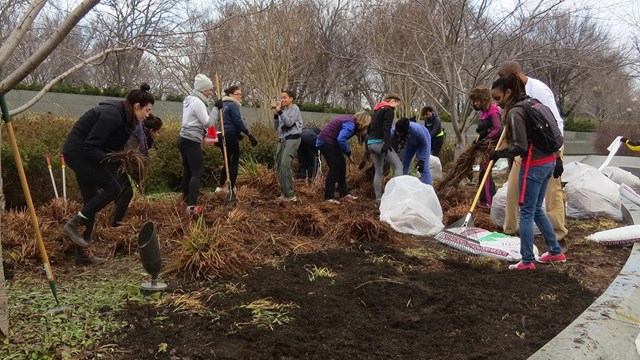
531, 210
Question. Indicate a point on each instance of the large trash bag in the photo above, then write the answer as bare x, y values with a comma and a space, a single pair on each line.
435, 166
593, 195
621, 176
411, 207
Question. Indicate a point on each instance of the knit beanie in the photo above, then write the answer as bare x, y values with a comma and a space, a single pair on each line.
202, 83
391, 95
402, 125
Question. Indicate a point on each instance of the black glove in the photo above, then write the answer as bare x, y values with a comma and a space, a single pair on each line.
385, 148
218, 104
362, 165
623, 139
477, 144
253, 140
495, 155
348, 154
420, 166
559, 169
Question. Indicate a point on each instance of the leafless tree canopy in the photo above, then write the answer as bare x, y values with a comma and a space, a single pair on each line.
343, 53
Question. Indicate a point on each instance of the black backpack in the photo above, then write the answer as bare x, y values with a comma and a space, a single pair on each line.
542, 127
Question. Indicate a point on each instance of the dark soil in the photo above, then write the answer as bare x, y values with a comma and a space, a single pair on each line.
399, 308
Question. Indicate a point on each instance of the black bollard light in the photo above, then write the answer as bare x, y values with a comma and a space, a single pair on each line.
150, 257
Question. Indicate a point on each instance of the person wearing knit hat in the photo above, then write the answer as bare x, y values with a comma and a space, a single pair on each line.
195, 122
379, 141
202, 83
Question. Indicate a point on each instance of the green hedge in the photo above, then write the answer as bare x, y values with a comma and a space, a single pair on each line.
580, 124
38, 135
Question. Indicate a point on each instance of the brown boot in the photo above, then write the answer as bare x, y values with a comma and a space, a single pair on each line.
74, 229
86, 257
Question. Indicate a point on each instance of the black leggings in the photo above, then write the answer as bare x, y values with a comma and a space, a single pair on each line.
123, 200
436, 145
233, 157
192, 164
337, 171
91, 177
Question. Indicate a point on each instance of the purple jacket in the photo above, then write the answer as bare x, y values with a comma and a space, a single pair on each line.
338, 131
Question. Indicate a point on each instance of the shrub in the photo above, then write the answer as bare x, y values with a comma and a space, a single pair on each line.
175, 97
579, 124
447, 152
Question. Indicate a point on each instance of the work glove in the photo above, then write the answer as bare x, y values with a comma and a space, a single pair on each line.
495, 155
218, 104
559, 169
253, 140
477, 144
420, 166
385, 148
623, 139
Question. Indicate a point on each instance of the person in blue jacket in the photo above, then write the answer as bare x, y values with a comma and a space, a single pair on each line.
416, 141
234, 127
334, 146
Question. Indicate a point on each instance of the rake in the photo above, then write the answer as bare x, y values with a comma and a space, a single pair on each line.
32, 212
232, 195
458, 234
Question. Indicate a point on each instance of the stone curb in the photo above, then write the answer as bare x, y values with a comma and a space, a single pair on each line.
606, 329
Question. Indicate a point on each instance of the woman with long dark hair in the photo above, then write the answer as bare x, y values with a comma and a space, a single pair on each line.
99, 132
509, 94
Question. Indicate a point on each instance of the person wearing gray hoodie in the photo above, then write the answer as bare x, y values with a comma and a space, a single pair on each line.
195, 122
287, 121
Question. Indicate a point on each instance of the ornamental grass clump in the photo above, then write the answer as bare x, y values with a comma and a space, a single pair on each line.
206, 252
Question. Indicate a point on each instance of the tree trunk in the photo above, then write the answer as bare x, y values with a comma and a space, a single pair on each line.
4, 303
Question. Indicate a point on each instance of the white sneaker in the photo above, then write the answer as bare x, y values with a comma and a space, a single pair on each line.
332, 201
350, 197
219, 189
292, 199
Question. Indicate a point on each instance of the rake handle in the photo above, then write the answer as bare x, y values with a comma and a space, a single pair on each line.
224, 140
486, 174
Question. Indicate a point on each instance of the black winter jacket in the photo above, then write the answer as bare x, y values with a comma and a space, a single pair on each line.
381, 122
100, 131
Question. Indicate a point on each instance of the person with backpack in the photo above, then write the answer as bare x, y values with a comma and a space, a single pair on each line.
554, 200
434, 125
489, 130
413, 140
540, 166
234, 127
632, 145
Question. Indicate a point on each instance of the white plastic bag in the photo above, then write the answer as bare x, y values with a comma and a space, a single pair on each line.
574, 170
593, 195
628, 193
479, 241
411, 207
498, 203
621, 236
621, 176
436, 167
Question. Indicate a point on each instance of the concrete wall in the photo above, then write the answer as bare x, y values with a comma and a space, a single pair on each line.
75, 105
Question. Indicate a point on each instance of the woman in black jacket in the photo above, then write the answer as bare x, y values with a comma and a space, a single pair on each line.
100, 131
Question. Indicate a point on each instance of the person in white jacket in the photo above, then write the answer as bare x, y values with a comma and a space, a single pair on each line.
195, 122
